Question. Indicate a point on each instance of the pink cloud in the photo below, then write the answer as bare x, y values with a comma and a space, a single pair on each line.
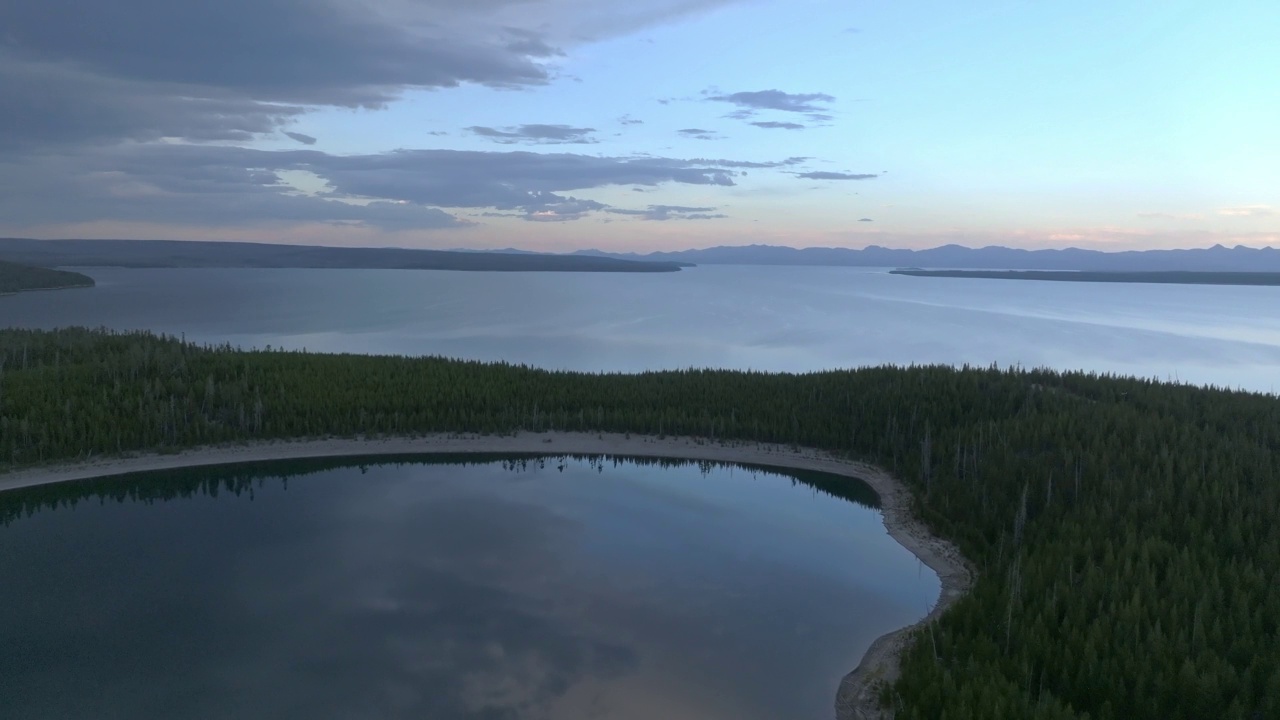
1249, 211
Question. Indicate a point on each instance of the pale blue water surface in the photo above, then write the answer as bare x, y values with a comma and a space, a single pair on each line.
768, 318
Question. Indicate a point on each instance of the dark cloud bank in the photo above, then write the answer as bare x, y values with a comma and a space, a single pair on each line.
91, 88
402, 189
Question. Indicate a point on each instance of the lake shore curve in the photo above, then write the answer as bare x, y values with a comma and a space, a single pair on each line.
857, 696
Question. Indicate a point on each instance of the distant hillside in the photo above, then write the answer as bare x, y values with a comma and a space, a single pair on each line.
15, 277
169, 253
1216, 258
172, 253
1167, 277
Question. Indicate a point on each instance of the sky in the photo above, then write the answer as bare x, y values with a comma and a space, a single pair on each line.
639, 125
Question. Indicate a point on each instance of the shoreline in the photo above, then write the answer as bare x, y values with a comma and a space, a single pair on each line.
856, 698
4, 293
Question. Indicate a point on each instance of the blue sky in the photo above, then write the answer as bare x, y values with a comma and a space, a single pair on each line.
650, 124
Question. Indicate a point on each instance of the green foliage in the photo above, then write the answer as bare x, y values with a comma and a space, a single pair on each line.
1124, 531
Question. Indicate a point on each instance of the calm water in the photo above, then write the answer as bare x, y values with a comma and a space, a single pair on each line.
580, 588
794, 319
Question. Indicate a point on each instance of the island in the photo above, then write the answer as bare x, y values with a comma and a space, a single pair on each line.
1120, 531
197, 254
15, 277
1169, 277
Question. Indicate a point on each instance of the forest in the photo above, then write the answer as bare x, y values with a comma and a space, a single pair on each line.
15, 277
1124, 531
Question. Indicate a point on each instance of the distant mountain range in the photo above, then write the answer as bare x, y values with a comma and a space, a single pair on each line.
174, 253
1216, 258
167, 253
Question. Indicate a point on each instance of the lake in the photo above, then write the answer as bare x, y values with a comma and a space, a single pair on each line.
500, 588
765, 318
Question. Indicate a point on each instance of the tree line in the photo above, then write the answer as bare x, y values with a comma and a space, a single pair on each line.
1123, 530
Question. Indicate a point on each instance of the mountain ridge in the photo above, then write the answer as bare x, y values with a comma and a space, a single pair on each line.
175, 253
1217, 258
210, 254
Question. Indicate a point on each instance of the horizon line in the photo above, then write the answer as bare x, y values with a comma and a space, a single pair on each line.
513, 249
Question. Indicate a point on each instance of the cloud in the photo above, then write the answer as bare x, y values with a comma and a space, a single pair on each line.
558, 209
628, 120
1170, 216
52, 106
865, 220
356, 53
592, 20
224, 186
530, 44
1249, 211
700, 134
1238, 211
823, 175
300, 137
82, 71
671, 212
777, 100
85, 71
141, 110
752, 164
775, 125
539, 134
455, 178
814, 106
116, 186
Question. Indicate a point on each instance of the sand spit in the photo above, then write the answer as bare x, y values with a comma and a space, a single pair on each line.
857, 695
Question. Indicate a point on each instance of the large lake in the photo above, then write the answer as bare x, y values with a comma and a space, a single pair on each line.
557, 589
767, 318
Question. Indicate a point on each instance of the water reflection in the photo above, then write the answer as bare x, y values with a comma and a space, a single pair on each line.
242, 478
478, 587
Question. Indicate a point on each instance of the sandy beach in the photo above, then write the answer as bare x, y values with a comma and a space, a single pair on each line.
856, 697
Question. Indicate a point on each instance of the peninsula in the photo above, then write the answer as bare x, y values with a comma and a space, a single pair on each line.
15, 277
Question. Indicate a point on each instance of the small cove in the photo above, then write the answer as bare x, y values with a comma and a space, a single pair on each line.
501, 587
